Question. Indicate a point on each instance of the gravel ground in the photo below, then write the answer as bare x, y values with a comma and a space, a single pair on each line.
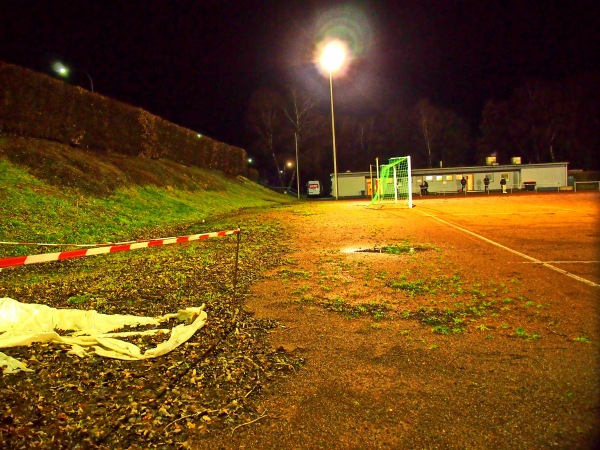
441, 340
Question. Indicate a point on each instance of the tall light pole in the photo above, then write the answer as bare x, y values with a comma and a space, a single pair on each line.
297, 166
63, 71
332, 59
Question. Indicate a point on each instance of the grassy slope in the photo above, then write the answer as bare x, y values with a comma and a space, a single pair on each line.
58, 194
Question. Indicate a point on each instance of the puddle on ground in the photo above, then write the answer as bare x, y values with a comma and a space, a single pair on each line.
392, 250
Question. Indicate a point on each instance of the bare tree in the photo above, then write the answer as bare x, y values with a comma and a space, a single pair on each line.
366, 141
426, 119
299, 114
496, 140
545, 114
264, 119
538, 121
442, 133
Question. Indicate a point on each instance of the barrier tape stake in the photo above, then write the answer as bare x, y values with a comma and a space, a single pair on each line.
235, 270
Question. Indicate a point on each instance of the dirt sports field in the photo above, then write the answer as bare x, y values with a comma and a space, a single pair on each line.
477, 328
466, 323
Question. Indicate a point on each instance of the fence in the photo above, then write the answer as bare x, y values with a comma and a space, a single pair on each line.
529, 186
585, 182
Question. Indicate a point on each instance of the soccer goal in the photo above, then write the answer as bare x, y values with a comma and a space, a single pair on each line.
394, 184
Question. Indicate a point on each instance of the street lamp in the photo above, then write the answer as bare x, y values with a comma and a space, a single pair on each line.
63, 71
289, 165
332, 59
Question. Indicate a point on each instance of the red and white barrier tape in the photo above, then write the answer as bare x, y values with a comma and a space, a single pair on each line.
46, 257
46, 244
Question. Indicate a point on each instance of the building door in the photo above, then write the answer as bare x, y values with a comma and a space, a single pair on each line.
369, 185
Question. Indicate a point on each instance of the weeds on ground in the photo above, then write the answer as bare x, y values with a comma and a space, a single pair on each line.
450, 304
455, 305
522, 333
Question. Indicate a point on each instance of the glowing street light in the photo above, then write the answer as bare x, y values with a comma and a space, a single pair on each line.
289, 165
63, 71
332, 59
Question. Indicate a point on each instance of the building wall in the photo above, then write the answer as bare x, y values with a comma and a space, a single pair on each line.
447, 179
351, 186
450, 182
545, 177
513, 179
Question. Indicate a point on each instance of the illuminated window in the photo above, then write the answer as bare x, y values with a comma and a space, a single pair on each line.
459, 177
429, 177
438, 178
448, 177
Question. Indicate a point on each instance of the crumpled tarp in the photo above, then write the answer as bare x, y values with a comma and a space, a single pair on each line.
25, 323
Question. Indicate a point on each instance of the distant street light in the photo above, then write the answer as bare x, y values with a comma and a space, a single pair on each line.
63, 71
332, 59
289, 165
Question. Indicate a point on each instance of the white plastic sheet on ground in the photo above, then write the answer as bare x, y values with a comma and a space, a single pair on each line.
91, 332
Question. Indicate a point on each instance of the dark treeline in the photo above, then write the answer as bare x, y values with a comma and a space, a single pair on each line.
541, 121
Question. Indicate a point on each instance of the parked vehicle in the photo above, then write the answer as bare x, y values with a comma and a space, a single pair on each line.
313, 188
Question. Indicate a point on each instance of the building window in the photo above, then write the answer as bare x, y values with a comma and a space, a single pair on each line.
429, 178
459, 177
449, 177
438, 178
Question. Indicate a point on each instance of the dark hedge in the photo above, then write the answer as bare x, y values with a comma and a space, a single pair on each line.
38, 106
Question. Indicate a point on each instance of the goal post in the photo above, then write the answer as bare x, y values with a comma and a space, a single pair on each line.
394, 185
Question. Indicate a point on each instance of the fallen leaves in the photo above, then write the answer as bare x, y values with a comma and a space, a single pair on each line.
204, 386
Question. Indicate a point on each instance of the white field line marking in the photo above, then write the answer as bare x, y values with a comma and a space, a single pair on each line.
502, 214
562, 262
523, 255
553, 208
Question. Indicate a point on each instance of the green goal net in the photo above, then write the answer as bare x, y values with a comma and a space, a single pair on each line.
393, 186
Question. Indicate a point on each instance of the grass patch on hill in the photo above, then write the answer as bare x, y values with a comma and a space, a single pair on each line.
57, 194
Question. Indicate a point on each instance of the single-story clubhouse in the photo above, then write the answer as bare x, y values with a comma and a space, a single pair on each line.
446, 180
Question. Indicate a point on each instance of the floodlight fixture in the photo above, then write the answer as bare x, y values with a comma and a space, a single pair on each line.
333, 56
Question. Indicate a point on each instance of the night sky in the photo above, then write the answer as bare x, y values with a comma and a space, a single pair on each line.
196, 63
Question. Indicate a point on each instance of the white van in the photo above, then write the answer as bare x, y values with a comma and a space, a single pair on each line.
313, 188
